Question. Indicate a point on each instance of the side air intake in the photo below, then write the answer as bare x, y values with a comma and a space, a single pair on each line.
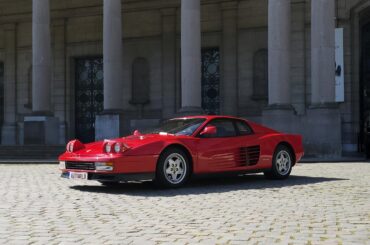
249, 155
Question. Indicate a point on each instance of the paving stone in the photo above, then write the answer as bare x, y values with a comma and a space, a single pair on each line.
321, 203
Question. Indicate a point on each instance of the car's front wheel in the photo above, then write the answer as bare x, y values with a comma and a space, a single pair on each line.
173, 169
282, 163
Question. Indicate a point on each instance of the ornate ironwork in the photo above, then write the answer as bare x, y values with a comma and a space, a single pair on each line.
89, 96
211, 80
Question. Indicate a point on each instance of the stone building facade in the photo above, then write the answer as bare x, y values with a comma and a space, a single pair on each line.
270, 61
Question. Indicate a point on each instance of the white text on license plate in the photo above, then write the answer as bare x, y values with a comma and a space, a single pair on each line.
77, 175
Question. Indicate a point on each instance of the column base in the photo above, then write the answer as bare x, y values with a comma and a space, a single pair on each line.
110, 125
41, 130
323, 132
190, 111
9, 134
320, 128
280, 117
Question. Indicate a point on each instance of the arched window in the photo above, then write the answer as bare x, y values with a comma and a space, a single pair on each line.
140, 81
260, 75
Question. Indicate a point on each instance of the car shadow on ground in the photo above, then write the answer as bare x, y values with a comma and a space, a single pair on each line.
204, 185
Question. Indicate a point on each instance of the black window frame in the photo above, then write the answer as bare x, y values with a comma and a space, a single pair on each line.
217, 137
243, 122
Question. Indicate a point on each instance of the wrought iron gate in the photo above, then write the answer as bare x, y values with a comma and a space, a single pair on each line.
211, 80
89, 96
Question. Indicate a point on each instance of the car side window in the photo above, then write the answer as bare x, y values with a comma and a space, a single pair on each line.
225, 128
243, 128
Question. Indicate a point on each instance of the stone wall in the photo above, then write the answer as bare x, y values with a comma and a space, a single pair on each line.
77, 32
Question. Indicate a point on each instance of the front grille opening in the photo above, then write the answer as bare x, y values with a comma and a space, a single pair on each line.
103, 177
80, 165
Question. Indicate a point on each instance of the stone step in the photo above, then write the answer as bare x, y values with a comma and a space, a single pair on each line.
30, 152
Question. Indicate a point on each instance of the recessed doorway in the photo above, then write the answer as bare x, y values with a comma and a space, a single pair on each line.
89, 96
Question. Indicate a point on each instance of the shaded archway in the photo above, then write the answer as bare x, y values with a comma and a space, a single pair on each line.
365, 84
360, 16
1, 97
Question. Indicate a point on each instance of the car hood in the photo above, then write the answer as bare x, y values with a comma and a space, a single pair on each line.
132, 141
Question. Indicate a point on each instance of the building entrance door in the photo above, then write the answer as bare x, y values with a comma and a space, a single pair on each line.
89, 96
365, 91
1, 97
211, 80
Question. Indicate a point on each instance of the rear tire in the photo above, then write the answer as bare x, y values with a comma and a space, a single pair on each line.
173, 168
282, 163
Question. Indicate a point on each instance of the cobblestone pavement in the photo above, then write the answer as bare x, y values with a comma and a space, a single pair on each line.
323, 203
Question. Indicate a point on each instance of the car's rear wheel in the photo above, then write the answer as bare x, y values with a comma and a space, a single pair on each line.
173, 168
282, 163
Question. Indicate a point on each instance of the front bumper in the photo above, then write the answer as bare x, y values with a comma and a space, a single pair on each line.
115, 177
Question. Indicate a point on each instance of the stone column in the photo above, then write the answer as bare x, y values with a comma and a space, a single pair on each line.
279, 52
9, 128
112, 55
168, 62
322, 51
110, 124
229, 56
323, 117
279, 114
41, 56
41, 127
191, 98
59, 67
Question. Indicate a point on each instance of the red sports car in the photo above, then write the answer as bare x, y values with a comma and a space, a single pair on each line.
182, 147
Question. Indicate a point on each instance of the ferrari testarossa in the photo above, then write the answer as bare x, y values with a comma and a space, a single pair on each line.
182, 147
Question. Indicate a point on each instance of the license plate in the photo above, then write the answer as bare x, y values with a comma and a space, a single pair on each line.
77, 175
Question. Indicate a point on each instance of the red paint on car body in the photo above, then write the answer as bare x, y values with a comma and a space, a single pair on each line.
208, 155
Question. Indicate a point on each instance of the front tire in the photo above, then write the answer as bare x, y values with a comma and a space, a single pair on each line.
173, 168
282, 163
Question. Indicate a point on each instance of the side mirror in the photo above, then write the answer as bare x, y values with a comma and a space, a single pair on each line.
209, 130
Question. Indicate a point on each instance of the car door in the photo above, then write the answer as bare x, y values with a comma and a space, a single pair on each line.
219, 152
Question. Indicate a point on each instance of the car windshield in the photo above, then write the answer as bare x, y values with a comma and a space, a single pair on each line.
178, 126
